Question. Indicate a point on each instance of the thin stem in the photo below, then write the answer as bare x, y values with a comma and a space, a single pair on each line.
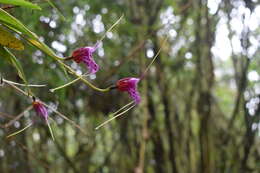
102, 38
19, 131
18, 117
19, 84
151, 63
19, 90
65, 117
84, 80
107, 121
67, 84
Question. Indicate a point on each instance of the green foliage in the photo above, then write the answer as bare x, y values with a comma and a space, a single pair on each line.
17, 26
6, 54
22, 3
14, 24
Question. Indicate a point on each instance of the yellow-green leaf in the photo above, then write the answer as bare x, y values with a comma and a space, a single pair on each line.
10, 41
21, 3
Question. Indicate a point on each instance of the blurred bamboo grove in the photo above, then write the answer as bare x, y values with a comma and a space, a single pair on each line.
200, 107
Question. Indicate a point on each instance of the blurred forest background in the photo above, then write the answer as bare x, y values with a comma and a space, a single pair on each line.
200, 109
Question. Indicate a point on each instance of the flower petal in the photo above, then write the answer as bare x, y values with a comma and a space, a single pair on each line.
40, 109
85, 55
134, 94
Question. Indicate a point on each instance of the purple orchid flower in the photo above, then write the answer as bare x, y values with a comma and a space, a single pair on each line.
85, 55
129, 85
41, 110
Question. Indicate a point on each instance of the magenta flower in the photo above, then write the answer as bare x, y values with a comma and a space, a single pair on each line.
129, 85
85, 55
41, 110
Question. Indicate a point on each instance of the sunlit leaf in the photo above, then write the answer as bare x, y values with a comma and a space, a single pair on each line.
10, 41
21, 3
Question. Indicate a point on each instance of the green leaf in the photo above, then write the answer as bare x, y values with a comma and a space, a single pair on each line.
21, 3
5, 53
15, 25
10, 41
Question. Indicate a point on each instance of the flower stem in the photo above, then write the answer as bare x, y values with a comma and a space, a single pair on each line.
84, 80
19, 90
65, 85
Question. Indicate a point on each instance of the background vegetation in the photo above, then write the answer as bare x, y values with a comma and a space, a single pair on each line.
200, 108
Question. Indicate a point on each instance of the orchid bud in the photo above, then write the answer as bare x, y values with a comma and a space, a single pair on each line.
40, 109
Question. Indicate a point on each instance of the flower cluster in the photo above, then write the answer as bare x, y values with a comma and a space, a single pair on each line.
129, 84
85, 55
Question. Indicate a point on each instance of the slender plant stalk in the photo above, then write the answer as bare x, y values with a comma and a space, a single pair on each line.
19, 84
102, 38
19, 131
65, 85
151, 63
18, 117
83, 79
19, 90
117, 115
